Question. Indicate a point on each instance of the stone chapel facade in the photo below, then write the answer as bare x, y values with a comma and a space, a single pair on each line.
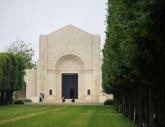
69, 65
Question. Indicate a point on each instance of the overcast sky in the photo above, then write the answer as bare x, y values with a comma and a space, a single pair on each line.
27, 19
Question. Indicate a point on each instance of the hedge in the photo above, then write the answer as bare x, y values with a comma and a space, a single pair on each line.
108, 102
18, 102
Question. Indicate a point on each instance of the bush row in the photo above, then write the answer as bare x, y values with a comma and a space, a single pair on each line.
22, 101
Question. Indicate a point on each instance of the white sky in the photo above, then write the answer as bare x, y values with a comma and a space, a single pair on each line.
27, 19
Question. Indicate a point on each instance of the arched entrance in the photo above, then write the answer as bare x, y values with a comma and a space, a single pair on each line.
70, 68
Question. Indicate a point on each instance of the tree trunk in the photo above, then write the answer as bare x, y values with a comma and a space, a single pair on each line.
11, 97
0, 97
150, 108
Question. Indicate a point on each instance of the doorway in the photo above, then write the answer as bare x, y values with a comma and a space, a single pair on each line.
70, 85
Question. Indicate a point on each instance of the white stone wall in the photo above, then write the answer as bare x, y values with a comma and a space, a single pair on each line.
31, 87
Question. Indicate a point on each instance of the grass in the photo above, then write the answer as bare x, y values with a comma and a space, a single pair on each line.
61, 116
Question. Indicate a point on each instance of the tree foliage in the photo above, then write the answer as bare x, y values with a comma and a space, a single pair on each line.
23, 49
133, 64
12, 71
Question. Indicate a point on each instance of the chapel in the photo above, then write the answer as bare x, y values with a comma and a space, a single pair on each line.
69, 66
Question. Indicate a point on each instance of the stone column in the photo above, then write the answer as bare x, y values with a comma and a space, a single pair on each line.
96, 66
58, 85
43, 64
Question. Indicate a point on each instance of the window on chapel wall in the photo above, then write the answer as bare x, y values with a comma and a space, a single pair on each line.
50, 92
88, 92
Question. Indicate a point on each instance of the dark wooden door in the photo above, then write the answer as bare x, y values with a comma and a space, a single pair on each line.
70, 86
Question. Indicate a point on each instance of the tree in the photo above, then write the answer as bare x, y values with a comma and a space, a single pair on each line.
133, 64
25, 50
12, 71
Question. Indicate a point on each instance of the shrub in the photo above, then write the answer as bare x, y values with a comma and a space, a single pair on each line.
24, 100
27, 100
108, 102
18, 102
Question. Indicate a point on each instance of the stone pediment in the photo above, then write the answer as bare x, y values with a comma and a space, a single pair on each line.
69, 30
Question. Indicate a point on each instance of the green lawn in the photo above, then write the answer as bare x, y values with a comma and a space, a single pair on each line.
61, 116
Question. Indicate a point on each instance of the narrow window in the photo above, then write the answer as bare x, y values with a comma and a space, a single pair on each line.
88, 92
50, 92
